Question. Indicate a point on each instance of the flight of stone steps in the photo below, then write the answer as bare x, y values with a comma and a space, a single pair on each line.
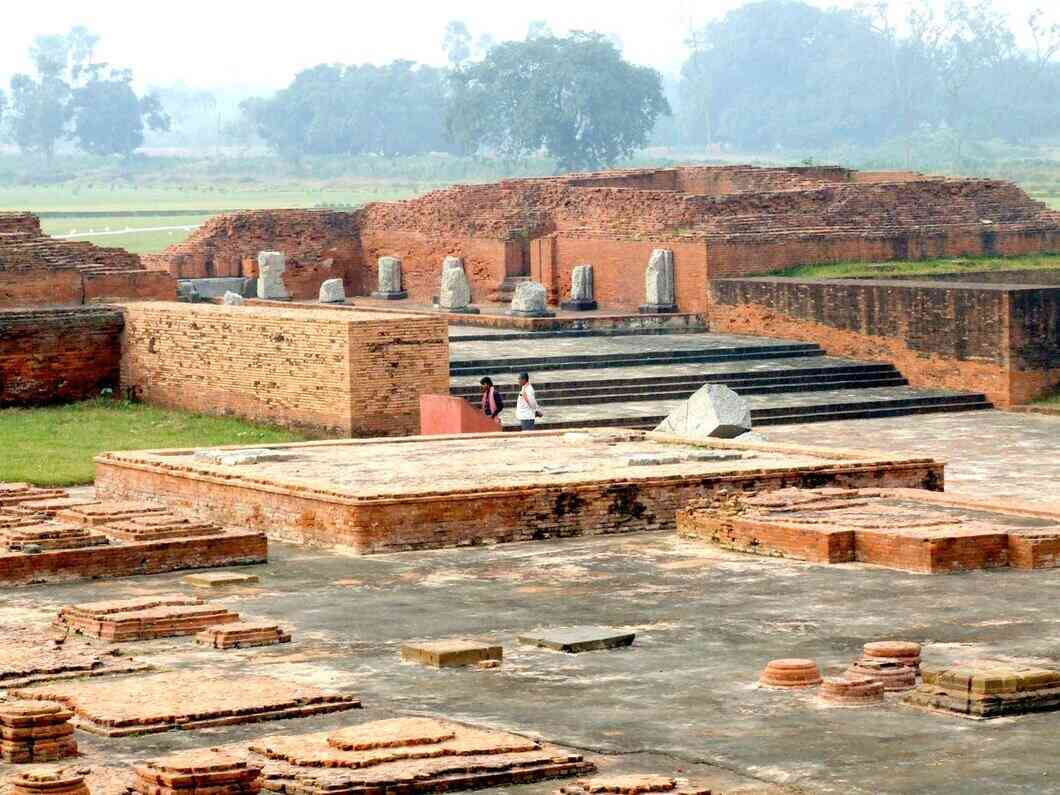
635, 380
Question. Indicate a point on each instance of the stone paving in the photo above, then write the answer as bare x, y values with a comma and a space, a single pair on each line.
989, 454
632, 344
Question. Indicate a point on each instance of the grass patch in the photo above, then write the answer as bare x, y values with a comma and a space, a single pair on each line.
139, 234
1051, 400
840, 270
55, 445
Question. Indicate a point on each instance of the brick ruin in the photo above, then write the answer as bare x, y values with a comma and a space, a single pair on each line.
718, 221
48, 536
492, 487
905, 529
36, 269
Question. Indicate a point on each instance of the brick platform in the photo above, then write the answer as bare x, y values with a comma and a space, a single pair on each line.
911, 530
634, 784
184, 700
420, 493
144, 618
35, 731
48, 536
409, 755
202, 772
68, 781
342, 373
242, 634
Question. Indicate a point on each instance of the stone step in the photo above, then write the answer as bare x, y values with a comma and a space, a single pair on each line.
782, 409
651, 394
692, 381
580, 361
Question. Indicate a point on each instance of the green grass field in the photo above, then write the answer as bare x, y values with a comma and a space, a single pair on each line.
139, 234
840, 270
54, 446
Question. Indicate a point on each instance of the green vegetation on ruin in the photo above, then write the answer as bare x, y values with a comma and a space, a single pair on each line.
931, 267
32, 453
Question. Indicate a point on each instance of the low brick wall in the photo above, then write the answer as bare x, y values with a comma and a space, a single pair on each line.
58, 354
346, 373
1001, 340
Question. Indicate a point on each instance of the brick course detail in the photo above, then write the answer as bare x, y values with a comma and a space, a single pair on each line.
429, 492
1001, 340
52, 355
347, 373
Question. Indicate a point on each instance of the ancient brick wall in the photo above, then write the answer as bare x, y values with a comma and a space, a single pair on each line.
52, 355
998, 340
36, 269
752, 220
422, 256
344, 373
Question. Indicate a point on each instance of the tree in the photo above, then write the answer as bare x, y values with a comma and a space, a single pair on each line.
109, 118
397, 109
457, 42
574, 97
69, 86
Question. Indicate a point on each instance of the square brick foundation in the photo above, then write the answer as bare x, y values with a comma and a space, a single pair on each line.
384, 495
906, 529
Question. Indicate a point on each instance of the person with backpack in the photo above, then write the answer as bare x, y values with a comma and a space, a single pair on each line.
492, 402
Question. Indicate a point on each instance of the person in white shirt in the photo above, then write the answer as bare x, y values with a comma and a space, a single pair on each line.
526, 409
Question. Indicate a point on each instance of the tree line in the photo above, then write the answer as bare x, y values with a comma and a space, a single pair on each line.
777, 73
768, 75
72, 96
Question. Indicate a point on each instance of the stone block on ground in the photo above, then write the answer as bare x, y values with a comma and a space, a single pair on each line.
530, 300
983, 689
713, 411
660, 295
582, 290
332, 291
219, 579
237, 457
410, 755
185, 700
455, 292
271, 266
451, 653
243, 634
391, 280
574, 640
232, 299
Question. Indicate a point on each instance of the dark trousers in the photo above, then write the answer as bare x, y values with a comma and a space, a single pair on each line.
527, 425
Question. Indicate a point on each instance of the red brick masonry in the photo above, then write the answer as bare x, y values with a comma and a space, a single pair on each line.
906, 529
1002, 340
719, 221
384, 495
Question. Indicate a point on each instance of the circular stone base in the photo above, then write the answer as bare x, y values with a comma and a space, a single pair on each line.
789, 673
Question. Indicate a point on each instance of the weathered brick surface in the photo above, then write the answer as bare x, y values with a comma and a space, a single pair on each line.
720, 221
348, 373
38, 269
900, 529
456, 491
50, 355
1000, 340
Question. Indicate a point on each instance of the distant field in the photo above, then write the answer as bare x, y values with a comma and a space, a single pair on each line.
69, 202
145, 233
840, 270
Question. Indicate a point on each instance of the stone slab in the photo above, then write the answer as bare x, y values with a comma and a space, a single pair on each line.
451, 653
219, 579
575, 640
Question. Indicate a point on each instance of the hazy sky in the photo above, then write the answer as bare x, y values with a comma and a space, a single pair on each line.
263, 44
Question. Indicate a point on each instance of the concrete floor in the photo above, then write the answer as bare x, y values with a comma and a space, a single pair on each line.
684, 695
989, 454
